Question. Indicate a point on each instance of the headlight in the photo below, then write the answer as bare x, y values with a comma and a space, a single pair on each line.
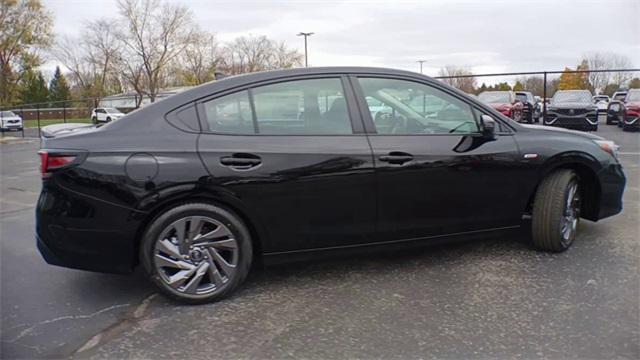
608, 146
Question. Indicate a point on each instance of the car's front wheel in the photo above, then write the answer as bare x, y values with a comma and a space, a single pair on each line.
556, 211
197, 252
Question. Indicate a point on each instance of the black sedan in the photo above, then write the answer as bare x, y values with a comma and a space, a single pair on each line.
286, 165
572, 109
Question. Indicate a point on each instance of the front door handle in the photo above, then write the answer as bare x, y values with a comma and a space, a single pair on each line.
241, 161
396, 157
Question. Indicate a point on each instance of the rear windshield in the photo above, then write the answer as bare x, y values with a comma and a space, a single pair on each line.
495, 97
633, 96
571, 97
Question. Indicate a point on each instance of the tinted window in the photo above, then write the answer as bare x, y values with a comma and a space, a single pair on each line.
415, 108
304, 107
230, 114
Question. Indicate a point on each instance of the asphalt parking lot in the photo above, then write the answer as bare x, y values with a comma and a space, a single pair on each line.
489, 299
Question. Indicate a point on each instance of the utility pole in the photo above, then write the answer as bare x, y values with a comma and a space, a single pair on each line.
421, 62
306, 58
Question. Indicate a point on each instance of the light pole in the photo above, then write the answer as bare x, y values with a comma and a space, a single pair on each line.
306, 59
421, 62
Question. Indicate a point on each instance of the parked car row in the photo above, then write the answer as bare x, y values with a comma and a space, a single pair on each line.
572, 109
521, 106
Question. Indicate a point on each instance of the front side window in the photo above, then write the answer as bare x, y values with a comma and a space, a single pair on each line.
230, 114
416, 108
302, 107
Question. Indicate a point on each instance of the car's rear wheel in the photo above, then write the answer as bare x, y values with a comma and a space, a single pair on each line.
556, 211
197, 252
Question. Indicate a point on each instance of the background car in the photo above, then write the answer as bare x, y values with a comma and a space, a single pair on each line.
619, 95
631, 110
530, 111
615, 112
504, 102
103, 114
10, 121
573, 109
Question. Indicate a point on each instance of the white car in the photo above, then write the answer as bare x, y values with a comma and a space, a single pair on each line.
602, 102
105, 114
10, 121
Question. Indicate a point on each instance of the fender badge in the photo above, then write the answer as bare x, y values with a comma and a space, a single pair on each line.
530, 156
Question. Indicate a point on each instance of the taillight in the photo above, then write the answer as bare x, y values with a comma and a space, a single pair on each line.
50, 162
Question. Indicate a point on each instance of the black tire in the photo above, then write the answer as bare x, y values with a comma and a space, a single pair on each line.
108, 119
549, 209
94, 120
228, 218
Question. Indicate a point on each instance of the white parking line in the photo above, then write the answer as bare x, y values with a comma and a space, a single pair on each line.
629, 153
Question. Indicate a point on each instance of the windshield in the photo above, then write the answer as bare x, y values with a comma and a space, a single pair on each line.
633, 96
495, 97
571, 97
619, 96
7, 114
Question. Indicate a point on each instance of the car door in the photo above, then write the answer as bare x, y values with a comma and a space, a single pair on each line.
295, 153
436, 173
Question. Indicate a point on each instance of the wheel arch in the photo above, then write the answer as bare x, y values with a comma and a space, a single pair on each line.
586, 167
234, 205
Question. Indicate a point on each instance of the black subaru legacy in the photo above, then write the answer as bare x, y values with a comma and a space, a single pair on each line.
287, 165
572, 109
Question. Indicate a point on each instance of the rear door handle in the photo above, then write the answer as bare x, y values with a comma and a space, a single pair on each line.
241, 161
396, 157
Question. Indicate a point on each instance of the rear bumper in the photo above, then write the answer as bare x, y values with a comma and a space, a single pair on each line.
612, 182
79, 232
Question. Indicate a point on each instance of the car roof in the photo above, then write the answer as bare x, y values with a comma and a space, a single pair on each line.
230, 82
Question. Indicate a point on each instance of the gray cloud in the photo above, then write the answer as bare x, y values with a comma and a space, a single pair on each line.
482, 35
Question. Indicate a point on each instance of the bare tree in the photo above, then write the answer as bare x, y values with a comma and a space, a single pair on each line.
257, 53
156, 33
284, 58
607, 61
461, 79
90, 58
104, 48
198, 61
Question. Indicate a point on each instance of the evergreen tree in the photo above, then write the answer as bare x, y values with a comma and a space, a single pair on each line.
518, 86
34, 89
634, 83
58, 87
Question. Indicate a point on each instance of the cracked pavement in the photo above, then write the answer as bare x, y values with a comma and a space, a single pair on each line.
484, 299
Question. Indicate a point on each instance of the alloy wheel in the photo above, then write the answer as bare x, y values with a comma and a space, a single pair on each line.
571, 215
196, 255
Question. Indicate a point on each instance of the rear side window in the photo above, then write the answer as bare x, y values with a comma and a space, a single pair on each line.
230, 114
302, 107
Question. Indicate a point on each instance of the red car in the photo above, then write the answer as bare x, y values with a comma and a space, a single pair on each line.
632, 110
505, 102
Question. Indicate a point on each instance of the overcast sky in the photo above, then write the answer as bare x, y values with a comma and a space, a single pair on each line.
484, 36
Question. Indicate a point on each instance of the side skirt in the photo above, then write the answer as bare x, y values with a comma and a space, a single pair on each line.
330, 252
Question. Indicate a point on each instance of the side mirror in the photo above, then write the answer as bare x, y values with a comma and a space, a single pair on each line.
488, 127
